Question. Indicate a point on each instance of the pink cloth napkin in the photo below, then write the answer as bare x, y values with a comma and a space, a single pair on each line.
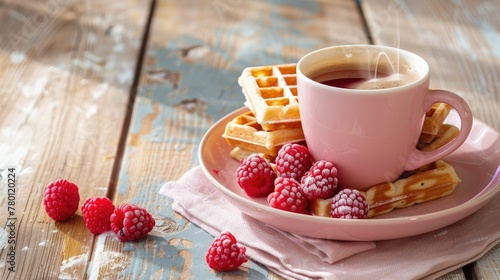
297, 257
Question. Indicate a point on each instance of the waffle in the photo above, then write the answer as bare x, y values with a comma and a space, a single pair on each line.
239, 154
271, 92
433, 120
427, 183
446, 133
321, 206
246, 133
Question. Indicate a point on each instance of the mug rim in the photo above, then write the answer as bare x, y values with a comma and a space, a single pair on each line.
424, 75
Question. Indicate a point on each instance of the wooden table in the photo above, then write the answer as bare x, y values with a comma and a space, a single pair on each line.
116, 95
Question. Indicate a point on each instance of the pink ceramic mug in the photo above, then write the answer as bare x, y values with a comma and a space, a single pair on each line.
368, 122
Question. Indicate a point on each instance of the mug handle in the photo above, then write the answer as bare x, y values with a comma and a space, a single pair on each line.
419, 158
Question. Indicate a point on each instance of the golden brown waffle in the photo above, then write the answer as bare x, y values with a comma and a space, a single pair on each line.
246, 133
321, 206
239, 153
433, 120
446, 133
271, 92
427, 183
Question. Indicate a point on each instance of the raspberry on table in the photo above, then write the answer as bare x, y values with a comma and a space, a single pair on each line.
287, 196
61, 199
96, 214
255, 176
131, 222
224, 254
349, 204
320, 181
293, 161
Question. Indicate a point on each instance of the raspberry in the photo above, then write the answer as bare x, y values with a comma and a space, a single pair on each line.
255, 176
131, 222
349, 204
320, 181
293, 161
287, 196
224, 254
61, 199
96, 214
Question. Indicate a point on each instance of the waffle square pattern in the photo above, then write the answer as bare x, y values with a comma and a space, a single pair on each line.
271, 93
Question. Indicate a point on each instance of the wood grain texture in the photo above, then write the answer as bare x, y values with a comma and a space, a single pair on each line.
488, 267
457, 274
460, 40
196, 51
66, 75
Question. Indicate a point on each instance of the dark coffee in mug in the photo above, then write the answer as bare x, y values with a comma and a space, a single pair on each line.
353, 76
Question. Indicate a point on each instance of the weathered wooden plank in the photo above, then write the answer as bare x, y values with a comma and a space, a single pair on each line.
196, 51
488, 267
66, 75
460, 41
457, 274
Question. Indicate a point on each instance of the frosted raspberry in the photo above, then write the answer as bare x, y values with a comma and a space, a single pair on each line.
61, 199
131, 222
96, 214
224, 254
320, 181
287, 196
349, 204
255, 176
293, 161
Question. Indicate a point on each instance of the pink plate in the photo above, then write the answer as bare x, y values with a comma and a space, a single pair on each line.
477, 163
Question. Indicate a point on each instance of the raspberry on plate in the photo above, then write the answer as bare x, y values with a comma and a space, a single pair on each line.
61, 199
96, 214
224, 254
255, 176
293, 161
320, 181
131, 222
349, 204
287, 196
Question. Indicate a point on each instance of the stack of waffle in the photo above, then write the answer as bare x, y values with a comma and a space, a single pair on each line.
433, 120
434, 132
273, 118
